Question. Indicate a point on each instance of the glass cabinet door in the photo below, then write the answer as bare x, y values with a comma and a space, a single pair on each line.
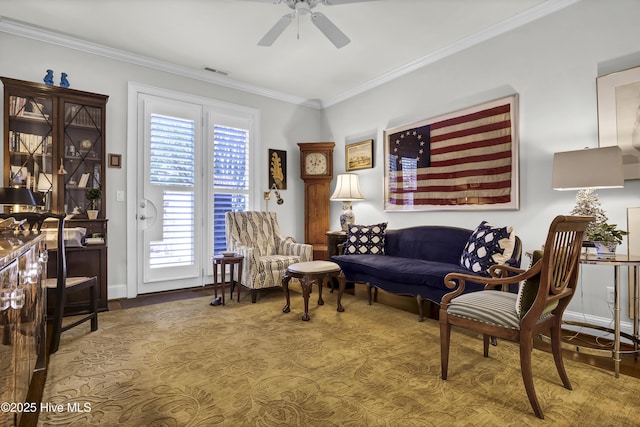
30, 143
82, 156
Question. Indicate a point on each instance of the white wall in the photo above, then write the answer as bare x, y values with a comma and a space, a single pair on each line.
552, 64
283, 126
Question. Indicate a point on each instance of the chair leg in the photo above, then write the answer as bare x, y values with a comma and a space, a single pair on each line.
445, 339
57, 324
556, 349
369, 293
526, 347
93, 306
254, 296
485, 344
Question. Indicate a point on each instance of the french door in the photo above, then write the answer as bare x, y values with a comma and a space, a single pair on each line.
193, 166
170, 208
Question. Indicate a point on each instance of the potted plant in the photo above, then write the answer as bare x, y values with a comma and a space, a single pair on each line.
606, 237
93, 195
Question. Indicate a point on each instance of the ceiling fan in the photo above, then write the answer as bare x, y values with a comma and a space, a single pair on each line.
305, 7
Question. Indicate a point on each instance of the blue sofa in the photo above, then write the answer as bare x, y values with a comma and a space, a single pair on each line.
415, 262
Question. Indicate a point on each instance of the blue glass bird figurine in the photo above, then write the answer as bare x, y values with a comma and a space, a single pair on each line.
63, 80
48, 79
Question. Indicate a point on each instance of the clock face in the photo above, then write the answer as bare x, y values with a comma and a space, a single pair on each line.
315, 164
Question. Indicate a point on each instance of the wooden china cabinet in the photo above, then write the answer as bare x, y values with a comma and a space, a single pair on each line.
54, 143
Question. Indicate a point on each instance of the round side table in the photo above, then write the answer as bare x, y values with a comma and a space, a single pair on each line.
223, 261
309, 272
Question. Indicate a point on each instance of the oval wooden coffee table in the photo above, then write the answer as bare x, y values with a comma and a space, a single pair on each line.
309, 272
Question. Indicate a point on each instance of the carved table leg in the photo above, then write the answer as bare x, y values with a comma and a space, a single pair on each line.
320, 281
285, 286
342, 280
306, 291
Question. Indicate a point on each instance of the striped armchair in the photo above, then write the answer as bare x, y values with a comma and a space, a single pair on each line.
267, 253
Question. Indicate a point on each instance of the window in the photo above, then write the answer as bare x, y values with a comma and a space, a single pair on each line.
230, 178
172, 163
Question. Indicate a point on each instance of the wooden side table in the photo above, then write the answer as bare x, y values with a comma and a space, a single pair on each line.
334, 239
223, 261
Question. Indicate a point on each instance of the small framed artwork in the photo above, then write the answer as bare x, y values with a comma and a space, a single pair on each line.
278, 169
115, 160
359, 155
619, 116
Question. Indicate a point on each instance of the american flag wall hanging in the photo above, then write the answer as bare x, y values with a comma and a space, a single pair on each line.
467, 159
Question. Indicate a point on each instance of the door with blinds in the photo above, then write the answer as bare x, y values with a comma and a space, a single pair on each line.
192, 168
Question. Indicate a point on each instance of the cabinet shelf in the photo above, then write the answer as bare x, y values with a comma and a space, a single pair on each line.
49, 127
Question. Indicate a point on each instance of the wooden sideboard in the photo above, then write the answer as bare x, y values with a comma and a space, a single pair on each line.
23, 322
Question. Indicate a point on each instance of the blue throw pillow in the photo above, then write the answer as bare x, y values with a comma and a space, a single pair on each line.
487, 246
365, 239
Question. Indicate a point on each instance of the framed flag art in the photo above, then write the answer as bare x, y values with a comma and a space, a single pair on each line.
463, 160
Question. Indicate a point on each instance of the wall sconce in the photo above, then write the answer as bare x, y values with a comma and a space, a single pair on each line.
267, 195
347, 190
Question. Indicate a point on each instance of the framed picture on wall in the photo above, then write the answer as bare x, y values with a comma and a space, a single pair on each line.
619, 116
277, 169
465, 160
359, 155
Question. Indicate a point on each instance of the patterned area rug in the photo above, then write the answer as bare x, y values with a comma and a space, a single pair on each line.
187, 363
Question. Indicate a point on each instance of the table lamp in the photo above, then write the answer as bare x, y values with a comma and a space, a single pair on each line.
586, 170
18, 197
347, 190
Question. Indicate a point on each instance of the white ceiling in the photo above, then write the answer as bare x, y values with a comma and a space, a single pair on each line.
388, 37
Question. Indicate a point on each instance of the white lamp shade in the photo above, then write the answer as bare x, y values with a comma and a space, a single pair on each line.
45, 181
589, 168
347, 188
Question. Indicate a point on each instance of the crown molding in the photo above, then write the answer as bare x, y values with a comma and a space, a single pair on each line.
507, 25
37, 33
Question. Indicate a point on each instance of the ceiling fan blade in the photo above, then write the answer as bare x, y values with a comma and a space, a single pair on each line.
328, 28
335, 2
276, 30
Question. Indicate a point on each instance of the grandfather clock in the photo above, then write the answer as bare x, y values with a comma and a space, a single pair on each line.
316, 170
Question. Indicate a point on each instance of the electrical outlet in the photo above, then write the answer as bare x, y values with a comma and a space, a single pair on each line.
610, 295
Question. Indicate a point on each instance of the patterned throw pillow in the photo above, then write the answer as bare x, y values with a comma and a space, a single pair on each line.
487, 246
365, 239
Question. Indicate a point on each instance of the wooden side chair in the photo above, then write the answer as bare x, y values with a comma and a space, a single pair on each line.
60, 286
538, 307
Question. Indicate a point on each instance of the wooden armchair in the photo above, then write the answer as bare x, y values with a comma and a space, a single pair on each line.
549, 285
59, 286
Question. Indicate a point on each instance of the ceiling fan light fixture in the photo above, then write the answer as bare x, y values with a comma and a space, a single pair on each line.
304, 7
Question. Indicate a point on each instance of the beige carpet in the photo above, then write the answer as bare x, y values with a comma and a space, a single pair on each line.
187, 363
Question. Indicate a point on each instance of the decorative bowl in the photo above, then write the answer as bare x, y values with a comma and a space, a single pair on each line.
228, 253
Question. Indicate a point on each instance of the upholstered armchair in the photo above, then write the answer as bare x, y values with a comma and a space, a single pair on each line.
267, 253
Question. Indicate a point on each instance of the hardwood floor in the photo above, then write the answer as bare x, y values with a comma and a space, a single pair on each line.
628, 366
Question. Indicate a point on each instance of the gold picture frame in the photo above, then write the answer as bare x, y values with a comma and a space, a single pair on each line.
619, 116
359, 155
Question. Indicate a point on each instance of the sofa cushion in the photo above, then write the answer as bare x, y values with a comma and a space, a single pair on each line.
487, 246
398, 270
365, 239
